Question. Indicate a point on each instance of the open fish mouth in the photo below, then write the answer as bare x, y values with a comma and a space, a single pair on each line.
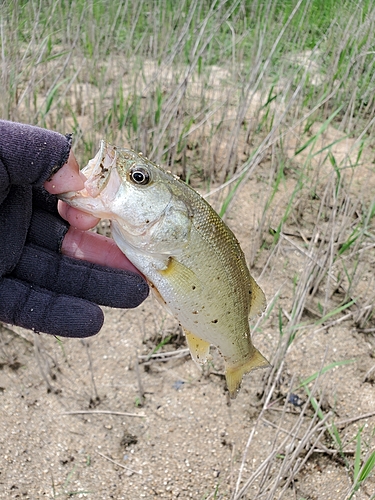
98, 169
101, 185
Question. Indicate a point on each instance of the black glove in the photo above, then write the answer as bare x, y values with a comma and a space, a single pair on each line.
40, 288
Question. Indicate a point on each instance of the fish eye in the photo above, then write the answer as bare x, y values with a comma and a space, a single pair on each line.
139, 175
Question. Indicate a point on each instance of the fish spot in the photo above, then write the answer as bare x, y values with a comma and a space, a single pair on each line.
195, 322
214, 321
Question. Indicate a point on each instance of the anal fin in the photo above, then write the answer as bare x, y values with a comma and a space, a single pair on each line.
199, 349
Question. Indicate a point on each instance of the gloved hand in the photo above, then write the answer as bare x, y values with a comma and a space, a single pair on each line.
40, 288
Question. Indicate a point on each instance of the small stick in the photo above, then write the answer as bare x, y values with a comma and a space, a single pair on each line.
322, 449
18, 331
119, 465
40, 360
178, 353
368, 373
104, 412
140, 385
87, 346
343, 423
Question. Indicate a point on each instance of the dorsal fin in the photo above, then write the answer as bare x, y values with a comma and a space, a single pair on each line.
258, 301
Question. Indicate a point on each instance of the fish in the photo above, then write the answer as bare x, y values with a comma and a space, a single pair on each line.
191, 259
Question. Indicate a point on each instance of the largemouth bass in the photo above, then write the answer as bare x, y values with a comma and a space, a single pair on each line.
191, 259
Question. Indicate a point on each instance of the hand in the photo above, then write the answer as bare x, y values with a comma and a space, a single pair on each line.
78, 242
40, 288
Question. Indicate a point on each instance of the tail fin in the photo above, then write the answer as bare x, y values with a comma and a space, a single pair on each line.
234, 374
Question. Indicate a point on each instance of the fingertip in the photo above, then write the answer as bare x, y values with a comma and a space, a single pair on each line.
68, 178
85, 321
41, 310
74, 318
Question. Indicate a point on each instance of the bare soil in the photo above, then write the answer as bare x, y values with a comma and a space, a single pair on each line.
102, 419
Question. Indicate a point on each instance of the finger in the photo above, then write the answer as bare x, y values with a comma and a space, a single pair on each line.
43, 311
95, 248
63, 275
68, 178
75, 217
47, 230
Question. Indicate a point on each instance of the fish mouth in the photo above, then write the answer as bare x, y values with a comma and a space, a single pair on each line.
101, 185
98, 176
98, 170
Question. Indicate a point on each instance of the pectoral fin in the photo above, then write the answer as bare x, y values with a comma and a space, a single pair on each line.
180, 275
234, 374
199, 349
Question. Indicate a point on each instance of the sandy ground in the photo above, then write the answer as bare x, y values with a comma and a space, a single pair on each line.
96, 419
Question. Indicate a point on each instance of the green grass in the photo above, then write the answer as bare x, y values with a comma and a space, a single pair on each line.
52, 49
363, 466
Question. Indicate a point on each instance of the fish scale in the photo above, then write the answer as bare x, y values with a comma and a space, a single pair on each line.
192, 260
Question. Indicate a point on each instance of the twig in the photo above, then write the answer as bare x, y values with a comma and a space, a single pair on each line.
102, 412
44, 370
368, 373
140, 385
236, 494
344, 423
164, 354
86, 344
162, 357
18, 331
281, 410
322, 449
334, 322
278, 427
119, 465
312, 257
